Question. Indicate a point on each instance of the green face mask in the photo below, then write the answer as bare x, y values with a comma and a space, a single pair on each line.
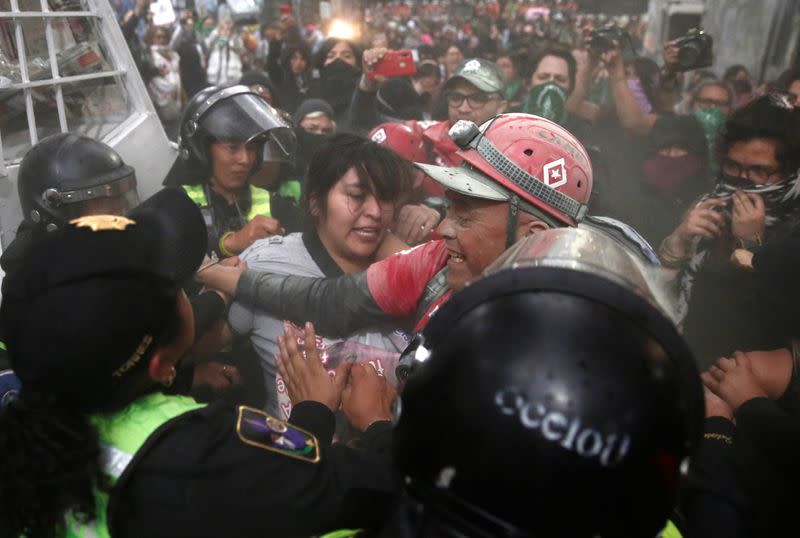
711, 119
548, 101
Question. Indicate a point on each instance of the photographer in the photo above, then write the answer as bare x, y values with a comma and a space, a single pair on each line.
755, 201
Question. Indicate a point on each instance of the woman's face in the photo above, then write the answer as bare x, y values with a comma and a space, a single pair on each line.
355, 222
452, 58
298, 63
507, 67
231, 164
341, 51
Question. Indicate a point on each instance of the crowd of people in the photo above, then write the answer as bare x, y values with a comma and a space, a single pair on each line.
417, 305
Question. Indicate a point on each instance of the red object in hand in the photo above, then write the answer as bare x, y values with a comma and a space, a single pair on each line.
395, 63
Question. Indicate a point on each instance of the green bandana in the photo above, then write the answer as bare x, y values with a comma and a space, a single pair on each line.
547, 101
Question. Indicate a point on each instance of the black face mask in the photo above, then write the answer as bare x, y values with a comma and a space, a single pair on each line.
337, 81
307, 145
425, 99
742, 87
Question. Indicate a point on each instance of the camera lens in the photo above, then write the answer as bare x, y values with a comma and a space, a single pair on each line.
688, 55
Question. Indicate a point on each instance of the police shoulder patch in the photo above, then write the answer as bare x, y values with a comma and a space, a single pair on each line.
257, 428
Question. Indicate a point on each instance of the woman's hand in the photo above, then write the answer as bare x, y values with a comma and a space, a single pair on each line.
370, 58
734, 380
306, 377
716, 406
368, 397
221, 278
415, 223
259, 227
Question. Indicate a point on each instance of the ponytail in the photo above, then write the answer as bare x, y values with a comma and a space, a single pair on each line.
50, 465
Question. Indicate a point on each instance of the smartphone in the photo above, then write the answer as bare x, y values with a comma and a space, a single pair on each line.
395, 63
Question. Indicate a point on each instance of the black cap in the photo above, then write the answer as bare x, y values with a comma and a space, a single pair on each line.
92, 300
309, 106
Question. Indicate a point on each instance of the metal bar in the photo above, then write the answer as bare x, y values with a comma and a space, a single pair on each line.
46, 15
23, 71
3, 172
64, 80
51, 51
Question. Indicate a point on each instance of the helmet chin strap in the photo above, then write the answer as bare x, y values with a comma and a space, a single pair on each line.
515, 205
513, 220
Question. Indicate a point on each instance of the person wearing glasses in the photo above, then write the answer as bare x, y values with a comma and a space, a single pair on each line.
755, 201
474, 93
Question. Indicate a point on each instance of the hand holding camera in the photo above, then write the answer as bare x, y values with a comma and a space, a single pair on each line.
694, 50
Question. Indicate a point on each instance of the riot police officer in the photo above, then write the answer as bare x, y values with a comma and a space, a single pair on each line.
64, 176
94, 446
227, 133
553, 397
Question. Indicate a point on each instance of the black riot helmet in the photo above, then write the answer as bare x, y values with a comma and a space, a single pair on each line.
64, 172
233, 113
550, 398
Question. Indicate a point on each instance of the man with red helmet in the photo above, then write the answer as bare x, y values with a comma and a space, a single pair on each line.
521, 174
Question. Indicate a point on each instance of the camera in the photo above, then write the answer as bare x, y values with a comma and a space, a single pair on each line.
603, 38
694, 50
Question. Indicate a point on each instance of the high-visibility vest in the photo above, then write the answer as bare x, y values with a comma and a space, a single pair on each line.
122, 434
259, 199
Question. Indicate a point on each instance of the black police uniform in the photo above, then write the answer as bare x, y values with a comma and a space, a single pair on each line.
197, 477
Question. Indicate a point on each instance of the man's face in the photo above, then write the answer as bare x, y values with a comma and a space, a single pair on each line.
466, 102
475, 233
713, 97
551, 69
754, 160
318, 124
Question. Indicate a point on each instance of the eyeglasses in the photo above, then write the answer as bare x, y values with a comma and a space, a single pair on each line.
474, 100
704, 102
756, 173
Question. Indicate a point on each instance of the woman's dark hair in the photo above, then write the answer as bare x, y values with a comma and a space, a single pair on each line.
328, 45
516, 61
732, 71
50, 465
390, 175
764, 118
289, 51
787, 77
558, 52
51, 454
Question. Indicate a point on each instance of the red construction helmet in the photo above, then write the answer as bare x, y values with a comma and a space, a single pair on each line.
521, 158
402, 139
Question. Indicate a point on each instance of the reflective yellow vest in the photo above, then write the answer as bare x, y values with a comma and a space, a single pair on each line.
259, 199
121, 436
